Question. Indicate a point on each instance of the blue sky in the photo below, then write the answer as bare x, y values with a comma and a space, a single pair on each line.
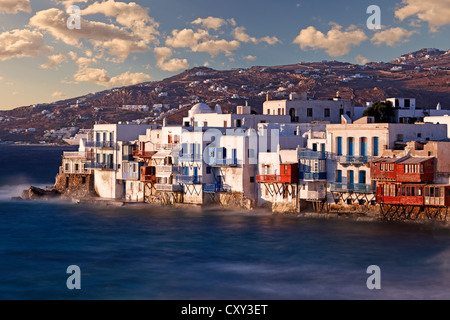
122, 43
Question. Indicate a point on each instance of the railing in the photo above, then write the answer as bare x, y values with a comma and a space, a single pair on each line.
223, 162
354, 159
309, 154
313, 176
317, 195
168, 187
143, 154
128, 157
77, 155
188, 179
101, 144
212, 188
94, 165
187, 157
268, 179
351, 187
167, 169
148, 178
130, 175
168, 146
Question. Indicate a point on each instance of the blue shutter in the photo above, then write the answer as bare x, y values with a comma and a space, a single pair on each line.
375, 146
339, 146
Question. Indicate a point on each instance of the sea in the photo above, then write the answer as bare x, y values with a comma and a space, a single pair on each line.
165, 253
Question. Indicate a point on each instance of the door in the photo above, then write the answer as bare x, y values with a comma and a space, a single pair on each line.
339, 146
362, 177
351, 146
195, 174
351, 179
375, 146
364, 147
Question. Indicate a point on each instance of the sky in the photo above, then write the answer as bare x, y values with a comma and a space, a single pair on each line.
45, 56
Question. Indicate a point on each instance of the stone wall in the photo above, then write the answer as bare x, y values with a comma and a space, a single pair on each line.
75, 185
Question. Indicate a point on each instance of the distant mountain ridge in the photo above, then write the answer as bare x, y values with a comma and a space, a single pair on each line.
423, 74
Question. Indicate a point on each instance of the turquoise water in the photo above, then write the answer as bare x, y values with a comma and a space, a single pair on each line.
165, 253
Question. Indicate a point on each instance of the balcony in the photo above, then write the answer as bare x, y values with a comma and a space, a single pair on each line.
313, 176
148, 178
187, 157
165, 171
101, 144
354, 160
168, 187
316, 195
130, 175
102, 166
351, 187
143, 154
213, 188
78, 155
214, 162
168, 146
315, 155
275, 179
188, 179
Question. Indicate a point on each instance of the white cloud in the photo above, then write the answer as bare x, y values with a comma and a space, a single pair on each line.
135, 32
359, 59
21, 43
164, 53
201, 41
130, 15
210, 22
54, 61
14, 6
58, 94
392, 36
240, 35
336, 42
435, 12
250, 58
101, 78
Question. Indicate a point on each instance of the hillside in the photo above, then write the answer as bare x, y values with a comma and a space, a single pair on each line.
424, 74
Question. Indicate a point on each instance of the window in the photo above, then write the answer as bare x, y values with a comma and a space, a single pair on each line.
403, 191
208, 170
437, 193
419, 135
238, 123
268, 111
327, 113
225, 124
77, 166
341, 112
66, 167
419, 191
205, 123
279, 111
83, 180
252, 179
309, 112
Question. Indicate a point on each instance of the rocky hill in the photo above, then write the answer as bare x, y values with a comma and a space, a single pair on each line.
424, 75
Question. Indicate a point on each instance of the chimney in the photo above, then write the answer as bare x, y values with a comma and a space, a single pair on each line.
268, 96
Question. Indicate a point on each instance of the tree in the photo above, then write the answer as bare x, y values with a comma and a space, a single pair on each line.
383, 112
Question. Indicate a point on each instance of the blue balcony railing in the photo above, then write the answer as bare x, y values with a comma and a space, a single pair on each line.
222, 162
101, 144
313, 176
309, 154
354, 159
103, 166
187, 179
351, 187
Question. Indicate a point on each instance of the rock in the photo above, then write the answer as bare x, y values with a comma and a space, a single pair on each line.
35, 193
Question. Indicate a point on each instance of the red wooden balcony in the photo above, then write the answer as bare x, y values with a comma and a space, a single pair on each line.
148, 174
275, 179
143, 154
